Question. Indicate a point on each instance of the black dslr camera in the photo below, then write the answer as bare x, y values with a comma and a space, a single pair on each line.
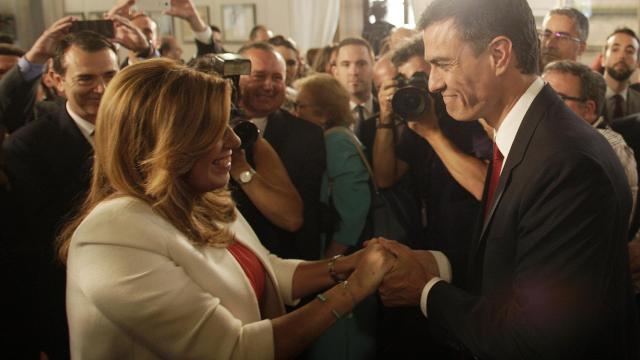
412, 97
231, 66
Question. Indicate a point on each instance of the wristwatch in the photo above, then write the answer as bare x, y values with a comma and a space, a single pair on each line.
246, 176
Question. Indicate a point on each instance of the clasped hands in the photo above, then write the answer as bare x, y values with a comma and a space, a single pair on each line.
398, 272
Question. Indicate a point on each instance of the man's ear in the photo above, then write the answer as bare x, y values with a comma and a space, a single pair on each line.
591, 109
583, 47
500, 51
59, 80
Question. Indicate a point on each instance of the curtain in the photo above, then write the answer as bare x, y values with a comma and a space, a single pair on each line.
314, 22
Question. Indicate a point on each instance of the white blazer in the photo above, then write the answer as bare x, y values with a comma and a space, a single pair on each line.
137, 288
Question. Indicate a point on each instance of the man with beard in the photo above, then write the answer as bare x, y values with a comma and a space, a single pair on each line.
564, 35
619, 61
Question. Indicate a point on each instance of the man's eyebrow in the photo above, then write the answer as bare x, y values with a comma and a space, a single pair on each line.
439, 59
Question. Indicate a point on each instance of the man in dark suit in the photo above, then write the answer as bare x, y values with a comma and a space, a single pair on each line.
300, 146
354, 70
48, 163
549, 274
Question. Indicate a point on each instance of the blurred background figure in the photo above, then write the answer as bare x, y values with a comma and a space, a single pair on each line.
379, 29
260, 33
170, 48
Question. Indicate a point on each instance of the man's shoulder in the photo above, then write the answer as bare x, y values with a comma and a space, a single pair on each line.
53, 124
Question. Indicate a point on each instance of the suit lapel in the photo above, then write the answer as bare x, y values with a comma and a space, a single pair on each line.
520, 144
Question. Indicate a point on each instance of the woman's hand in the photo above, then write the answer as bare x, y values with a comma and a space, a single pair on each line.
374, 262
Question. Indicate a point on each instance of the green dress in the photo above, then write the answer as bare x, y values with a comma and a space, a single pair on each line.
351, 337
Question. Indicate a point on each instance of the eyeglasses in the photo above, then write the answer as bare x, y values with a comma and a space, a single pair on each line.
560, 36
571, 98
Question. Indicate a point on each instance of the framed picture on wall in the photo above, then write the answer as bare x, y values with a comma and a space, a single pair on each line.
185, 30
237, 22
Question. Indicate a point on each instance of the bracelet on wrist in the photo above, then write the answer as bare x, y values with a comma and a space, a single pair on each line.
338, 278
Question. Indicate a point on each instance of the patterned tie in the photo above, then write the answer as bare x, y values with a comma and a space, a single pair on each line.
496, 167
618, 106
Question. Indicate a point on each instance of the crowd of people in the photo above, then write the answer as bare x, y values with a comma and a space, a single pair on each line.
137, 223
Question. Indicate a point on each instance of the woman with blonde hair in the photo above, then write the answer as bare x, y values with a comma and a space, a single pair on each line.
160, 264
346, 191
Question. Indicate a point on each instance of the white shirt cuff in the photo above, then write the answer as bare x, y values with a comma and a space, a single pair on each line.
444, 268
205, 36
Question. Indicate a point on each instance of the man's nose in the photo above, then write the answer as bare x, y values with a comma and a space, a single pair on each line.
436, 83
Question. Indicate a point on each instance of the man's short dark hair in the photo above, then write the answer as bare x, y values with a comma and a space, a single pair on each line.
480, 21
623, 30
592, 84
578, 18
358, 42
11, 50
259, 45
88, 41
280, 40
214, 28
404, 53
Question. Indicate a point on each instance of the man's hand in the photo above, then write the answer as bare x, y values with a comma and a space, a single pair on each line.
43, 48
634, 262
186, 10
122, 8
128, 35
387, 89
403, 284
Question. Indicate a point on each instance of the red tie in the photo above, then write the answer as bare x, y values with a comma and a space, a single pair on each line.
496, 166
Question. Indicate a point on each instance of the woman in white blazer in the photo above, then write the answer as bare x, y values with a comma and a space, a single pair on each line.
160, 264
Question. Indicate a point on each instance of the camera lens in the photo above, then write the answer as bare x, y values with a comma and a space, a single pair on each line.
410, 102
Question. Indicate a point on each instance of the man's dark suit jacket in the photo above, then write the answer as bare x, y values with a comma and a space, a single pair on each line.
300, 145
549, 270
49, 165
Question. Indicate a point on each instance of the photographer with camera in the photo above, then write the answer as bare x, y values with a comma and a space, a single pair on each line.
442, 160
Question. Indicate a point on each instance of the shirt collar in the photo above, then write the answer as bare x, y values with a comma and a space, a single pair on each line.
610, 93
506, 134
86, 128
368, 106
260, 123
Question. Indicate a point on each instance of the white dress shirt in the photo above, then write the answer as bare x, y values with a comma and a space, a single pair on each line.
86, 128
